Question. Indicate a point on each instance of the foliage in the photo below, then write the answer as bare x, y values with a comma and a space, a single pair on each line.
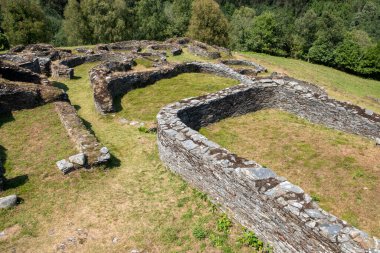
24, 22
75, 27
249, 238
208, 23
199, 232
4, 44
267, 35
178, 14
224, 224
240, 26
151, 21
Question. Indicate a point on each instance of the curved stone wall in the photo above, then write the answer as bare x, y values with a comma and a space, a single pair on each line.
107, 86
278, 211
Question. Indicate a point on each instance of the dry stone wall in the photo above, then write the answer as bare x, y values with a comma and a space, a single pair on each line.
107, 86
91, 152
278, 211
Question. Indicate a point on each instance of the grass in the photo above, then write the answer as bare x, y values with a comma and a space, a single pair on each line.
339, 85
341, 171
144, 104
139, 201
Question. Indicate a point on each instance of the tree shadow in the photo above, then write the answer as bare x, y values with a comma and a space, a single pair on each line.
16, 182
60, 86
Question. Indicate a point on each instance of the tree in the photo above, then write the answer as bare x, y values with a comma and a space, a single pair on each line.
152, 24
25, 22
75, 26
304, 36
240, 25
267, 35
106, 19
178, 15
330, 34
208, 23
367, 19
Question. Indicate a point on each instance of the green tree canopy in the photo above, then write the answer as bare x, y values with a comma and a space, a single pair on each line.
208, 23
267, 35
151, 21
240, 26
24, 22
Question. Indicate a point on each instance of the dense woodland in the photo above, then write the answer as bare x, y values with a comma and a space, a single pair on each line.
341, 34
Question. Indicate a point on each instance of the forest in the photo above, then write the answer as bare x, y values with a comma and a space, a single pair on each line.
340, 34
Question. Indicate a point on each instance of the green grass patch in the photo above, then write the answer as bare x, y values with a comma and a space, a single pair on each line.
339, 177
144, 104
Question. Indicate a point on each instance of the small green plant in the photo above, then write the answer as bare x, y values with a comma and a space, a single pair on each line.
223, 224
181, 202
144, 130
251, 240
199, 194
218, 240
199, 232
315, 197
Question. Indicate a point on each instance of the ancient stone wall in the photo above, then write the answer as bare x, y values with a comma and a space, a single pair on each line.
107, 86
17, 96
278, 211
85, 142
16, 73
258, 67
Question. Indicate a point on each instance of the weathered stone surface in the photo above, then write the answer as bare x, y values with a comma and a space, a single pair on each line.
8, 201
18, 74
65, 166
278, 211
79, 159
257, 67
17, 96
107, 85
85, 142
378, 141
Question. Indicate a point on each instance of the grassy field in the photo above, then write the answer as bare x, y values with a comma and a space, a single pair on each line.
341, 171
339, 85
138, 203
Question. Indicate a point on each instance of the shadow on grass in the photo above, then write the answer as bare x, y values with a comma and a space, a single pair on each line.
6, 117
15, 182
3, 155
88, 126
114, 162
60, 85
117, 104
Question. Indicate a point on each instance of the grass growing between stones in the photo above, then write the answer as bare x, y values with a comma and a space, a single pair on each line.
341, 171
137, 204
339, 85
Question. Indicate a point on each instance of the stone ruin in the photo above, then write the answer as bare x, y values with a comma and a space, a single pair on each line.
278, 211
21, 88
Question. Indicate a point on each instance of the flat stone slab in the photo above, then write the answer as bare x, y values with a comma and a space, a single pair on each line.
79, 159
8, 201
65, 166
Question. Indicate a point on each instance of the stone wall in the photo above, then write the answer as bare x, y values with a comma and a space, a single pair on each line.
16, 73
107, 86
276, 210
258, 67
85, 142
17, 96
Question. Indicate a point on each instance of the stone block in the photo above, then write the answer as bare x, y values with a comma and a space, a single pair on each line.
65, 166
8, 201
